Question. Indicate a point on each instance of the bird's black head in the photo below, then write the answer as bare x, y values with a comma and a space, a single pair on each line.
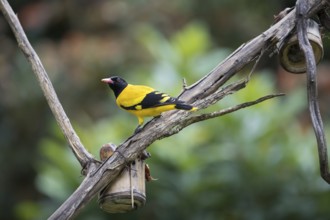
116, 83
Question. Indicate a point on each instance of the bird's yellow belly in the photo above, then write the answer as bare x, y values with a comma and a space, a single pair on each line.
149, 112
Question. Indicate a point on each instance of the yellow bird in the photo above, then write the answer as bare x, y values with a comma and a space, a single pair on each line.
143, 101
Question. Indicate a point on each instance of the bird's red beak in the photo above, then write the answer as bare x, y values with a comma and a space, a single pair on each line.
107, 80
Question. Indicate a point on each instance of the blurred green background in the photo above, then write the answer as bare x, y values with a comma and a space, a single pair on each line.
258, 163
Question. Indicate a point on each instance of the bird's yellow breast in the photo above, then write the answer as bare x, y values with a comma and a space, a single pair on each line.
132, 95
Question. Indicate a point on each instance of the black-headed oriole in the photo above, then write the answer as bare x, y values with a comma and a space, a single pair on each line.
143, 101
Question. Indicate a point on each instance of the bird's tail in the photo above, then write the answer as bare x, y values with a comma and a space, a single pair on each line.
186, 107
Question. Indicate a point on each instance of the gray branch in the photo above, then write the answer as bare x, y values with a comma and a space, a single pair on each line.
83, 156
303, 7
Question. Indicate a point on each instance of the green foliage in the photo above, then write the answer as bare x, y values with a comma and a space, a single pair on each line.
187, 54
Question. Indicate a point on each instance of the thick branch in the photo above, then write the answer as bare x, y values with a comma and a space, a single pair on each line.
83, 156
238, 59
302, 20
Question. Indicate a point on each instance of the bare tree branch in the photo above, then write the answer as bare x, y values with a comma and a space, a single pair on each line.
303, 7
170, 123
83, 156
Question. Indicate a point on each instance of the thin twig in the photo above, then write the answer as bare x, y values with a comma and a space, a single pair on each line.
302, 8
184, 83
203, 117
257, 62
83, 156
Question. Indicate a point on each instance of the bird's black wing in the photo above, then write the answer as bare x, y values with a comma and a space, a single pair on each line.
155, 98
